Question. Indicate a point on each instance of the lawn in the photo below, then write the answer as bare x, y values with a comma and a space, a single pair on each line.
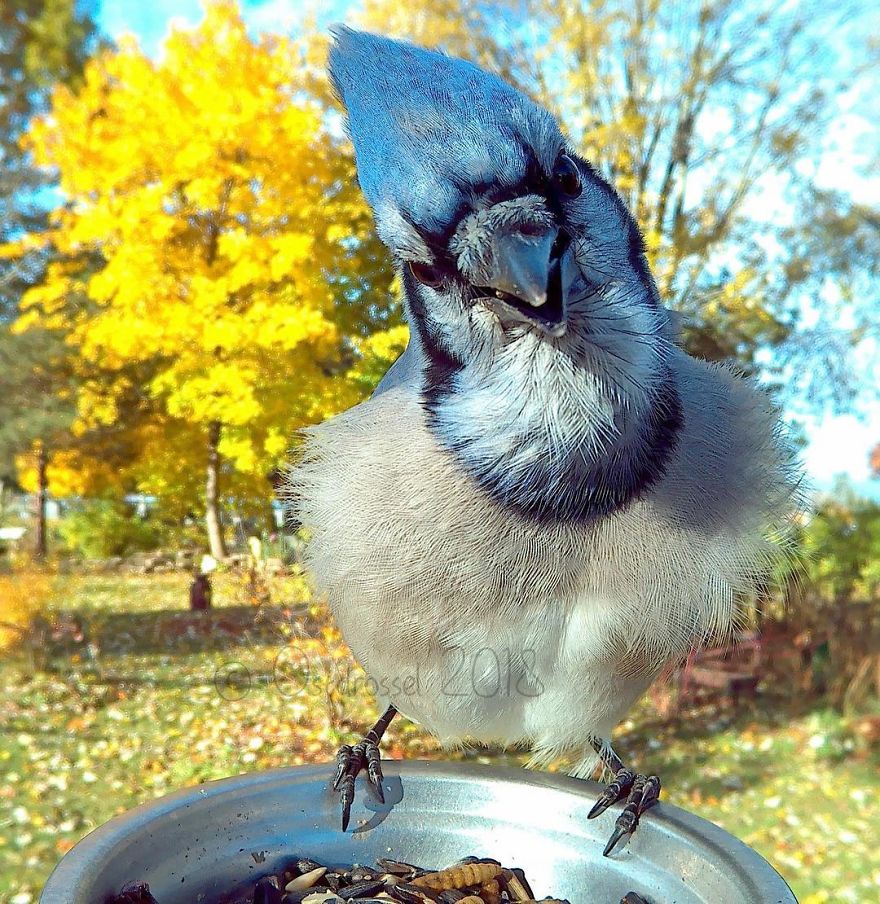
143, 697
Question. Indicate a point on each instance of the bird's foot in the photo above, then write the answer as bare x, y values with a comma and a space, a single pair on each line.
350, 760
641, 792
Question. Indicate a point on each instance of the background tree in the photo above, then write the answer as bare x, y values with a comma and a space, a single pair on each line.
230, 238
842, 549
834, 256
705, 116
37, 391
41, 42
218, 271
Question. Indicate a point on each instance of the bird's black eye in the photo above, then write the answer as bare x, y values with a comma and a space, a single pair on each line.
567, 176
426, 274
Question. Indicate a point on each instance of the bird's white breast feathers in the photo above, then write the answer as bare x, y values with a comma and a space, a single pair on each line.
483, 624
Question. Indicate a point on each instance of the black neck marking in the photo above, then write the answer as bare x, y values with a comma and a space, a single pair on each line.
586, 490
441, 365
582, 490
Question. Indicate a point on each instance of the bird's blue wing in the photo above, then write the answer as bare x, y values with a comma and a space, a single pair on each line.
403, 372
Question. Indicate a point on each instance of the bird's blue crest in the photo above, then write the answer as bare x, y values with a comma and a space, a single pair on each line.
427, 127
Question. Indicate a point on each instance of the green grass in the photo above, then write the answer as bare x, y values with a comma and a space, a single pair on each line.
155, 698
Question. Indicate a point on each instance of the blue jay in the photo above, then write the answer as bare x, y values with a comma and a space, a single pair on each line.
546, 500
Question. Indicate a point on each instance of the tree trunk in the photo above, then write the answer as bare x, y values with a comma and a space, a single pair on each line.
212, 494
40, 503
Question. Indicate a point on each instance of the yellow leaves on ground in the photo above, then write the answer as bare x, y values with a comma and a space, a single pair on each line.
209, 213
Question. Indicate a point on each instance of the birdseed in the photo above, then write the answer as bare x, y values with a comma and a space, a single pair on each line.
471, 880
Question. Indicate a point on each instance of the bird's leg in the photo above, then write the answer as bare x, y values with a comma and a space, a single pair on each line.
351, 760
641, 791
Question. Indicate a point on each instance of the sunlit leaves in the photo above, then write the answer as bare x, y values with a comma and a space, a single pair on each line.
224, 216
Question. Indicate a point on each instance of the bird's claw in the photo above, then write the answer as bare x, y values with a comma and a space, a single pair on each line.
349, 763
642, 792
374, 768
351, 760
619, 785
343, 761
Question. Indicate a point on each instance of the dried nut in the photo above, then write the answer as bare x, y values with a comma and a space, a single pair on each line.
313, 895
306, 880
134, 893
490, 892
408, 893
362, 873
517, 889
459, 876
471, 880
266, 891
320, 897
396, 867
306, 865
361, 889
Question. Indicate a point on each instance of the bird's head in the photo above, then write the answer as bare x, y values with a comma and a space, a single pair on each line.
501, 232
524, 274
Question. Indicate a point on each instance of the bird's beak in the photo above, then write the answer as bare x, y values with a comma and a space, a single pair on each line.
526, 282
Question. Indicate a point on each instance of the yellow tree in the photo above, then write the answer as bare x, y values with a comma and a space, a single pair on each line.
231, 244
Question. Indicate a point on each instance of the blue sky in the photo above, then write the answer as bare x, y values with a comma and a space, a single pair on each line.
149, 19
838, 444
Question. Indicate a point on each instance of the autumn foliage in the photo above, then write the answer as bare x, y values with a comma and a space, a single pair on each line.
211, 234
215, 278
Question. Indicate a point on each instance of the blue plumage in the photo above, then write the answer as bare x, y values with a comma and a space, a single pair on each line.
544, 475
443, 128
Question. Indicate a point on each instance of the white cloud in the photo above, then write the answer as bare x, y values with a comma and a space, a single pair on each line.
278, 16
148, 22
841, 444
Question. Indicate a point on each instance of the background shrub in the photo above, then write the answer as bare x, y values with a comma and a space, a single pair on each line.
101, 528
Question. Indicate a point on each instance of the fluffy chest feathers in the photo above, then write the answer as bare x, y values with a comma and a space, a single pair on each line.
417, 560
555, 438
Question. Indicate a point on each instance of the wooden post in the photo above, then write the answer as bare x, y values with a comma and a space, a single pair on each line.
42, 497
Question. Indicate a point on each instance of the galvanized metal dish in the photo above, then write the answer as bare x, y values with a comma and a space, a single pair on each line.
200, 843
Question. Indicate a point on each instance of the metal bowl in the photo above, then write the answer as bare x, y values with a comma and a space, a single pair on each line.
199, 844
